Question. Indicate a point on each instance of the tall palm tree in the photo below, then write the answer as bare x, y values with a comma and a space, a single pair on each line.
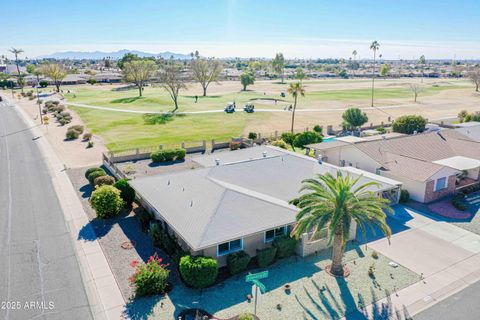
332, 203
354, 53
16, 52
374, 46
295, 89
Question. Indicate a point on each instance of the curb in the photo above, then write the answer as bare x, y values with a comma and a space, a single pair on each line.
104, 296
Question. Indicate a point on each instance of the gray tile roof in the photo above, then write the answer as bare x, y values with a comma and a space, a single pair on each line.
216, 204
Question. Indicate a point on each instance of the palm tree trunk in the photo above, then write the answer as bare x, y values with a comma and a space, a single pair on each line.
293, 113
373, 74
337, 254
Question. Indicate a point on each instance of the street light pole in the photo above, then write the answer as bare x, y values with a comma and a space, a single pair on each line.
38, 100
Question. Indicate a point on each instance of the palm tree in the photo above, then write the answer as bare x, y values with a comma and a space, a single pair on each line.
354, 53
295, 89
374, 46
16, 52
333, 203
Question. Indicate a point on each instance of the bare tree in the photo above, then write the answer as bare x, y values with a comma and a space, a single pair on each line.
55, 72
172, 79
475, 77
205, 71
416, 89
139, 72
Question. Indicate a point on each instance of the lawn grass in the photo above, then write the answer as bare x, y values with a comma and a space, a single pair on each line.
122, 131
157, 100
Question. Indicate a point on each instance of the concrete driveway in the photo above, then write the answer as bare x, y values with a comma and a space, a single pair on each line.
425, 245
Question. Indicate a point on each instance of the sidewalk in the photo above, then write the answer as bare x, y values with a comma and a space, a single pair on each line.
103, 293
446, 255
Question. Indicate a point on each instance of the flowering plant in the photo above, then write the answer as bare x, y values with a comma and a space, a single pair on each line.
149, 278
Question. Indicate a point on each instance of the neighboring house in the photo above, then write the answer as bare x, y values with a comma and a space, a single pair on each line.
239, 200
470, 129
429, 165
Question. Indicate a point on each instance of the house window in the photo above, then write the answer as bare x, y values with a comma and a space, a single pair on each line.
270, 235
229, 247
441, 184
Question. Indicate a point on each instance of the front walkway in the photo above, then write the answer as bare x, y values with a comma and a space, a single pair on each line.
446, 255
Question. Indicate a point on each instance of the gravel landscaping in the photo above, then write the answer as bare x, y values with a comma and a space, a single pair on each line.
314, 294
112, 233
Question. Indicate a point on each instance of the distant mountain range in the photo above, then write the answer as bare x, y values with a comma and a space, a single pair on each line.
98, 55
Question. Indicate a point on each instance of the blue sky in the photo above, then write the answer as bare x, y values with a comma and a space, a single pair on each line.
301, 28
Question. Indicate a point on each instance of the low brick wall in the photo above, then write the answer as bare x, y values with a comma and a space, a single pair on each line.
432, 195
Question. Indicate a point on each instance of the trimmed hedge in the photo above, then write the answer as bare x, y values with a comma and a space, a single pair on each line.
106, 201
458, 203
168, 155
95, 174
90, 170
265, 257
72, 134
285, 246
198, 271
126, 192
161, 239
404, 196
103, 180
238, 262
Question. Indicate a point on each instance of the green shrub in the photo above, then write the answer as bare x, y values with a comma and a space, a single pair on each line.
168, 155
144, 217
77, 128
90, 144
103, 180
43, 83
180, 154
265, 257
150, 278
285, 246
246, 316
96, 174
106, 201
382, 130
404, 196
162, 239
409, 124
318, 129
280, 144
126, 191
234, 145
238, 262
288, 137
252, 135
198, 271
305, 138
72, 134
457, 202
90, 170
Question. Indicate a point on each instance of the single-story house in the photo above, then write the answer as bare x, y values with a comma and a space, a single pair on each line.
239, 200
429, 165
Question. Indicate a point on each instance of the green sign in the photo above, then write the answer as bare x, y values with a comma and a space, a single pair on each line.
260, 286
256, 276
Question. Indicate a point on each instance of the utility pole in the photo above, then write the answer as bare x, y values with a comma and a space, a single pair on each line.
38, 100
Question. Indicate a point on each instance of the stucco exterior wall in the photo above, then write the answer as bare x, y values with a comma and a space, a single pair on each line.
351, 155
416, 189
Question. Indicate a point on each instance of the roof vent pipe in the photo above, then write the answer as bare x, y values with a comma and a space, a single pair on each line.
320, 160
217, 161
264, 154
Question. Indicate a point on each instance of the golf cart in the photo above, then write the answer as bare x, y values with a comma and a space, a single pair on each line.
230, 108
249, 108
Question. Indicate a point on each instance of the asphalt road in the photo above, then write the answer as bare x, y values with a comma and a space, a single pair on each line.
39, 273
462, 305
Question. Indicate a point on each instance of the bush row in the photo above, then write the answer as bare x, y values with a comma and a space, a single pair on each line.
168, 155
457, 202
